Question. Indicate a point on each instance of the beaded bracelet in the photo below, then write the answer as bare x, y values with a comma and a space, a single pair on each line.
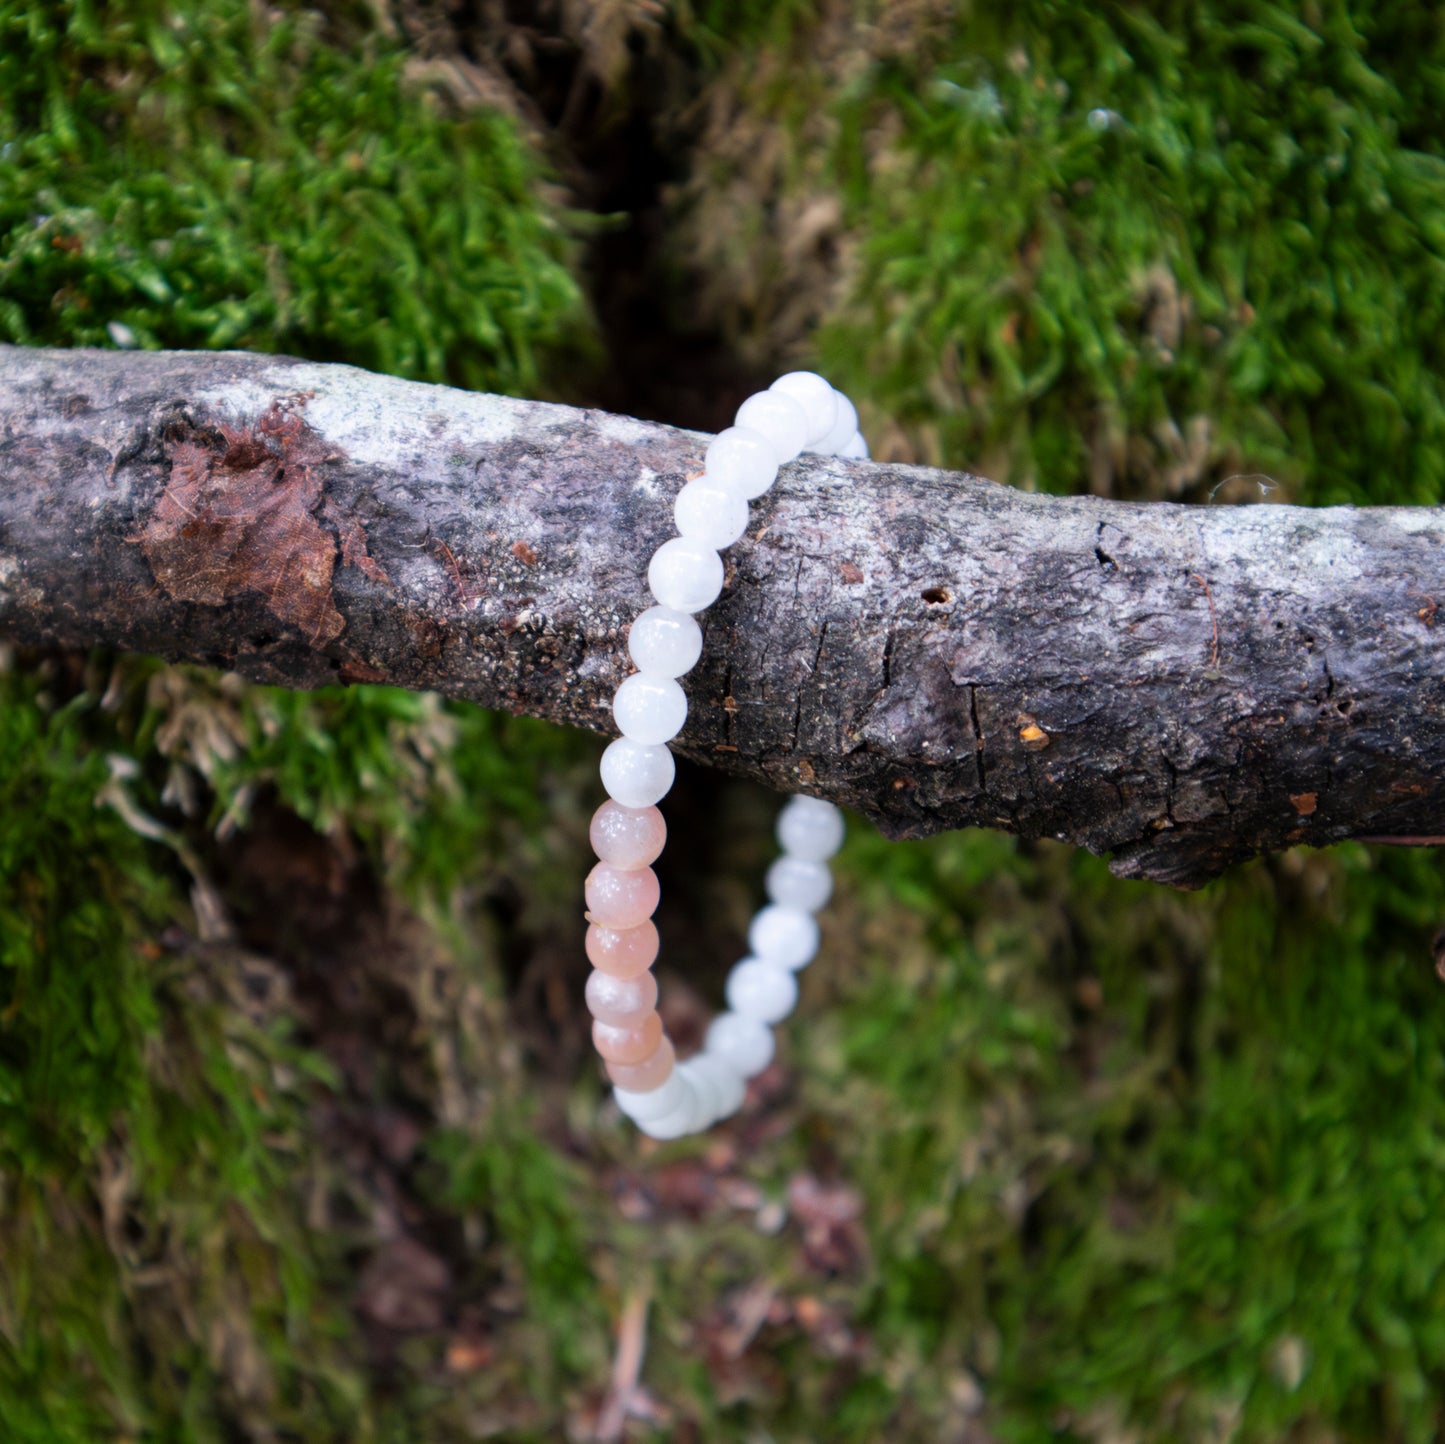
667, 1099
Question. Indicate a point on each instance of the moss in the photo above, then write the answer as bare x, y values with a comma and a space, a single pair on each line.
209, 176
1132, 248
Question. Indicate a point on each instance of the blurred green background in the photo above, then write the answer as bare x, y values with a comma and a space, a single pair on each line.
300, 1134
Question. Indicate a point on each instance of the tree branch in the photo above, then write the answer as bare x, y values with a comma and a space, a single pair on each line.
1179, 687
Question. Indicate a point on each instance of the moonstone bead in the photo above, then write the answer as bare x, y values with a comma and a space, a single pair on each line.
656, 1101
622, 1002
636, 775
742, 1044
632, 1044
818, 400
779, 418
651, 1073
783, 936
810, 829
761, 990
706, 511
664, 641
844, 427
856, 449
649, 709
793, 883
685, 575
622, 952
729, 1089
621, 897
629, 836
684, 1119
704, 1085
743, 460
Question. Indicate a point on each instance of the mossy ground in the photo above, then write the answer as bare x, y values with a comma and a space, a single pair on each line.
299, 1135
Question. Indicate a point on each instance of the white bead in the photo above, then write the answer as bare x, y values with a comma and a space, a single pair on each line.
649, 709
743, 460
793, 883
843, 428
810, 828
783, 936
817, 399
742, 1044
635, 774
728, 1088
685, 575
653, 1104
664, 641
856, 449
703, 1083
779, 418
684, 1119
708, 512
761, 990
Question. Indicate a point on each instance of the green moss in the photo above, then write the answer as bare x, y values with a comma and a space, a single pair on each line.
211, 175
1135, 248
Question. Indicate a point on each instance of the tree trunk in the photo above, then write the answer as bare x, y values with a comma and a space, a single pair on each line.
1178, 687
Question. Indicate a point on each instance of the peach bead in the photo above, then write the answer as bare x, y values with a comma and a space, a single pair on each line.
622, 952
622, 1002
627, 837
651, 1073
621, 898
628, 1045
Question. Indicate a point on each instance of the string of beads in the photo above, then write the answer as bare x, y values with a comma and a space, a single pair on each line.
664, 1097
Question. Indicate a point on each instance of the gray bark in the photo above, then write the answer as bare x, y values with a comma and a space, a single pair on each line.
1176, 687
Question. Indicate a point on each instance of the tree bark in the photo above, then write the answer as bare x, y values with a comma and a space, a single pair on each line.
1177, 687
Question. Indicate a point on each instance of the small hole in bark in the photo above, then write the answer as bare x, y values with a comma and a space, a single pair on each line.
937, 596
262, 639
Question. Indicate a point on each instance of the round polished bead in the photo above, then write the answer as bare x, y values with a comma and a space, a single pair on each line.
665, 642
845, 424
631, 1044
706, 511
704, 1084
649, 709
685, 575
743, 460
622, 952
856, 448
810, 828
742, 1044
655, 1101
622, 1002
621, 897
761, 990
818, 400
793, 883
783, 936
628, 836
636, 775
728, 1087
779, 418
684, 1119
651, 1073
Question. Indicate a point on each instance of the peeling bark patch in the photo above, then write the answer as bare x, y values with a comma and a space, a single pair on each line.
1304, 803
239, 515
851, 573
